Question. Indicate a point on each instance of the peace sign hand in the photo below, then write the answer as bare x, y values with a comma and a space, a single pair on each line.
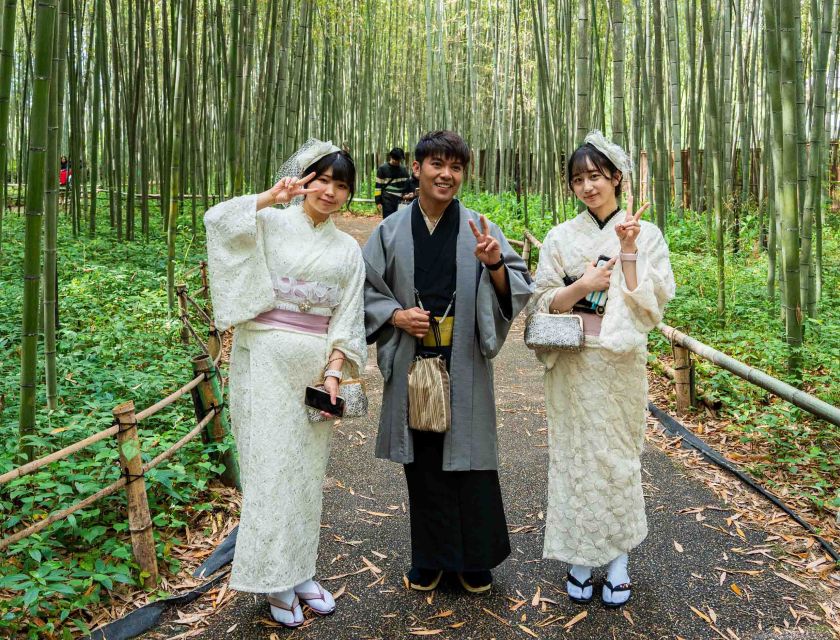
290, 187
487, 248
629, 230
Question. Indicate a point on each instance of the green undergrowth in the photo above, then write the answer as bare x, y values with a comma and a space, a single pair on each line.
117, 342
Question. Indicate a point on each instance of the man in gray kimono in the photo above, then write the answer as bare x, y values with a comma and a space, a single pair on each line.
418, 260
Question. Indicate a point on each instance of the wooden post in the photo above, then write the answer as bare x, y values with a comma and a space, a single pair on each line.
210, 396
526, 251
181, 292
683, 378
205, 286
139, 518
214, 341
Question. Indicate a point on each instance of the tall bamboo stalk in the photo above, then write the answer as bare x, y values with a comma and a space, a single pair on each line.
35, 181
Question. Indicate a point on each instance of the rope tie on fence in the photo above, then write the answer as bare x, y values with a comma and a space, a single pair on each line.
131, 477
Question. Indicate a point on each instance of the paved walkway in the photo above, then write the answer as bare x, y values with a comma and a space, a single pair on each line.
694, 576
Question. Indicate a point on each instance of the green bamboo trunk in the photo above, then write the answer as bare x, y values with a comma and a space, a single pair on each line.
175, 161
713, 156
7, 47
789, 184
35, 182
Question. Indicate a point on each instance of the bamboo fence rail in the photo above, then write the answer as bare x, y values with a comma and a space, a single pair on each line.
207, 394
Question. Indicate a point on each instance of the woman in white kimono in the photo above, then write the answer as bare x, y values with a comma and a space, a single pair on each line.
596, 399
292, 285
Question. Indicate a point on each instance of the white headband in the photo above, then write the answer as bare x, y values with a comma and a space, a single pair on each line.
616, 154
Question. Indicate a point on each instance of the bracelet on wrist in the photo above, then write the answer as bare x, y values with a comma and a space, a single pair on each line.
498, 265
332, 373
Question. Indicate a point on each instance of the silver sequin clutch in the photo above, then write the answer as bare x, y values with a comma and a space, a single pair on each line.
554, 332
355, 401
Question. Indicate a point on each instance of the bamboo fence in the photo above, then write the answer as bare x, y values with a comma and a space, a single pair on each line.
207, 393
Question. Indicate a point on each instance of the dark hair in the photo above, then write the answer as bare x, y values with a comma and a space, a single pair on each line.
342, 169
397, 154
442, 144
587, 154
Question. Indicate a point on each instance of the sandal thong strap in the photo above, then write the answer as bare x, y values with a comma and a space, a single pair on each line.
277, 602
311, 596
624, 586
580, 585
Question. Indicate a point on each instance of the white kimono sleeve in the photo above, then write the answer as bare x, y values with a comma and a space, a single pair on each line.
549, 280
549, 276
347, 325
655, 281
240, 283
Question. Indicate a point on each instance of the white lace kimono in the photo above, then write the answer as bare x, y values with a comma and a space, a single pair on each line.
260, 261
596, 399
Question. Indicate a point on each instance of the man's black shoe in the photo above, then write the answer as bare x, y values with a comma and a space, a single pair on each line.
476, 581
423, 579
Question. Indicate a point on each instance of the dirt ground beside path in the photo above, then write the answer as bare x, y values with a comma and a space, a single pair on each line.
695, 576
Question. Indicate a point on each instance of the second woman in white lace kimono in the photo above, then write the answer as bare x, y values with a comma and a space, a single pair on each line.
291, 284
596, 399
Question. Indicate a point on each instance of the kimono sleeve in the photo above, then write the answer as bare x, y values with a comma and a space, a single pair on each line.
380, 302
655, 281
347, 325
240, 282
494, 316
549, 277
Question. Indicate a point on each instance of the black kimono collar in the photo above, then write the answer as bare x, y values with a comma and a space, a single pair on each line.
603, 224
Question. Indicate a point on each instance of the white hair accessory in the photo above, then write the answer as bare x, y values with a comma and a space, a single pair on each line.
616, 154
309, 153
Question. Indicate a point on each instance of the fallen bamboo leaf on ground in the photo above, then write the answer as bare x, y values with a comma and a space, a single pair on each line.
528, 631
571, 623
498, 617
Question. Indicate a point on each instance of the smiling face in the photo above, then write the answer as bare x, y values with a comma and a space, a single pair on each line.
330, 194
440, 178
594, 189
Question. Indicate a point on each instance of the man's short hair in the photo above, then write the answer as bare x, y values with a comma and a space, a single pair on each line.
397, 154
442, 144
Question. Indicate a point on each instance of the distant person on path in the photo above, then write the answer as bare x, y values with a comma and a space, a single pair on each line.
417, 260
391, 178
596, 398
292, 284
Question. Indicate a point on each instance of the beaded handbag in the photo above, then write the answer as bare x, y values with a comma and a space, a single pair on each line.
554, 332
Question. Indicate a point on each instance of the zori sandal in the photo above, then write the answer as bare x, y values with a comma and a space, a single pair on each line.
580, 585
320, 601
280, 611
608, 602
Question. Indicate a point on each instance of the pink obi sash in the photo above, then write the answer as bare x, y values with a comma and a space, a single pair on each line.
591, 324
296, 320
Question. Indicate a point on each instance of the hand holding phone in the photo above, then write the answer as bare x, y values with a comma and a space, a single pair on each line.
320, 400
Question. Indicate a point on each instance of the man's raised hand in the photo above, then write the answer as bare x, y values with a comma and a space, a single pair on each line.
487, 248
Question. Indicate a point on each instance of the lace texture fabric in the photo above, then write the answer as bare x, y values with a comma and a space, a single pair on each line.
282, 455
596, 399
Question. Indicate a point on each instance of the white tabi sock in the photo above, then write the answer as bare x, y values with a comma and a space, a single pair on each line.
617, 575
581, 574
281, 615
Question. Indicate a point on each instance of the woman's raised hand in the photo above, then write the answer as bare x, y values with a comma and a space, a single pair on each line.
290, 187
629, 230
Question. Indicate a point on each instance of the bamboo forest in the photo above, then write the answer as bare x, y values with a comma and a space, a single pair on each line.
123, 122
